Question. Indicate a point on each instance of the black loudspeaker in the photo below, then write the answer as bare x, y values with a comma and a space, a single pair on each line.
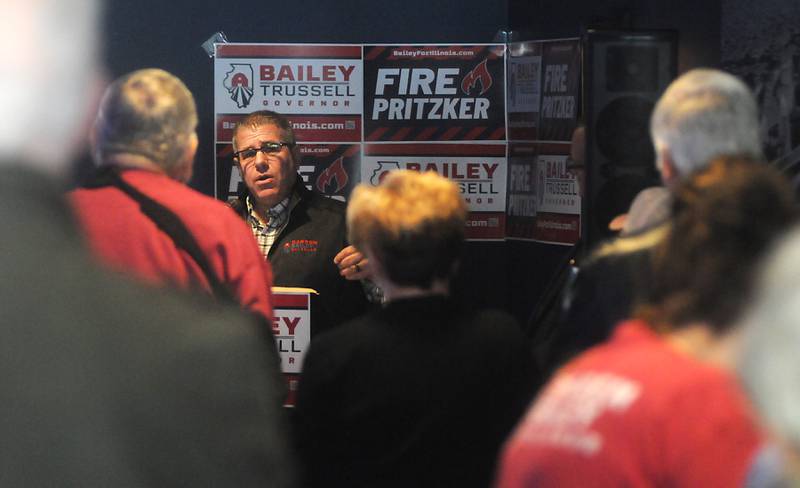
625, 72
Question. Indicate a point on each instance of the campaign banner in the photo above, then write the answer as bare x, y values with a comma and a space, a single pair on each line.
307, 128
309, 79
291, 326
524, 89
434, 93
544, 194
561, 75
317, 86
331, 169
479, 170
558, 190
521, 206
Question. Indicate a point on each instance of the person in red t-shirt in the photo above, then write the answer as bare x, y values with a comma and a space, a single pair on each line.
657, 405
144, 140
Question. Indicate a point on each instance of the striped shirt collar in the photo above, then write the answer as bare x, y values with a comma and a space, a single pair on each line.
267, 233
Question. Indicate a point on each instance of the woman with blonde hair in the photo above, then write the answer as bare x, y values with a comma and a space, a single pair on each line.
420, 392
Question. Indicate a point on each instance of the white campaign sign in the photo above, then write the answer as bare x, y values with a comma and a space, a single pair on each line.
481, 180
557, 188
288, 86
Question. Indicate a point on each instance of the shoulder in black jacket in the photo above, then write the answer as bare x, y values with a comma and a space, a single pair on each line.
302, 256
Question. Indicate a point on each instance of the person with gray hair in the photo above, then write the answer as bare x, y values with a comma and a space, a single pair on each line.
138, 213
657, 404
105, 382
769, 365
703, 114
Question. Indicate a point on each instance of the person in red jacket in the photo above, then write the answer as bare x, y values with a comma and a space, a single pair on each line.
657, 405
140, 216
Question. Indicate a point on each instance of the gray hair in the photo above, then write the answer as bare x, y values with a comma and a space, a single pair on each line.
704, 114
149, 113
49, 62
260, 118
769, 364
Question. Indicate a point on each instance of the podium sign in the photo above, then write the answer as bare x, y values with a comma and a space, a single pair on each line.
291, 326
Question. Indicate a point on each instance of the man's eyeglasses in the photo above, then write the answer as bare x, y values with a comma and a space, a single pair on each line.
266, 148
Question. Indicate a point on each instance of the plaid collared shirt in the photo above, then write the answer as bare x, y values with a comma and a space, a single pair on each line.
266, 234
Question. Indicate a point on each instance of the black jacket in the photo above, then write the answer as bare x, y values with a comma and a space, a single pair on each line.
419, 393
612, 281
303, 254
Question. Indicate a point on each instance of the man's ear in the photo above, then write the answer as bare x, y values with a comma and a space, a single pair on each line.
296, 157
184, 171
669, 174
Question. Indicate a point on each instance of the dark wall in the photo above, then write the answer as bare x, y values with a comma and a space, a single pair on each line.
698, 23
761, 43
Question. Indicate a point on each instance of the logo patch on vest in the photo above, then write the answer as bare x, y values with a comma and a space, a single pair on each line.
300, 245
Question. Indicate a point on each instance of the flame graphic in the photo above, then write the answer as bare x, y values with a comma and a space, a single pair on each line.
479, 74
333, 172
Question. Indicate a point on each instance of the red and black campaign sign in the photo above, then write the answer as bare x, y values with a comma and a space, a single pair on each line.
524, 90
317, 86
479, 170
434, 93
544, 194
331, 169
521, 191
560, 88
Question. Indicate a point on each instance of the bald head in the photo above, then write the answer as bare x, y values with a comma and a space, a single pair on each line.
50, 67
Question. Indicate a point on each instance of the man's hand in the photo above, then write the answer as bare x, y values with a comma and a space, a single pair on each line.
352, 264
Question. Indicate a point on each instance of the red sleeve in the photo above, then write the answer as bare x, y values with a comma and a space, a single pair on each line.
246, 270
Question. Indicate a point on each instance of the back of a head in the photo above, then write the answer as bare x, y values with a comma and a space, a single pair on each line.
49, 63
412, 222
724, 218
149, 113
704, 114
769, 363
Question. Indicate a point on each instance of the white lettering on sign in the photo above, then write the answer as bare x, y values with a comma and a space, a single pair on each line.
416, 81
555, 77
425, 82
431, 108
